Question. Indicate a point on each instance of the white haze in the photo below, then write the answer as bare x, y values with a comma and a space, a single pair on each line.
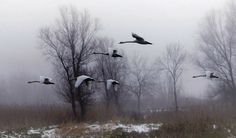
159, 21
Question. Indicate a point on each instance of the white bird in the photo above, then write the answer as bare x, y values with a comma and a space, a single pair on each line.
113, 83
88, 80
43, 80
208, 74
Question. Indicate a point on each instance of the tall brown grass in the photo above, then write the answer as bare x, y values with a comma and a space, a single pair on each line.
192, 121
14, 117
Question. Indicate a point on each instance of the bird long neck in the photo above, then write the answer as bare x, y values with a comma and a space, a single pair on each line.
33, 81
148, 43
199, 76
99, 81
128, 42
101, 53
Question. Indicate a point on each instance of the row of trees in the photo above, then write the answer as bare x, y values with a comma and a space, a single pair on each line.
70, 42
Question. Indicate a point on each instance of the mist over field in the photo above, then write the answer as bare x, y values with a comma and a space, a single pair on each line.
160, 22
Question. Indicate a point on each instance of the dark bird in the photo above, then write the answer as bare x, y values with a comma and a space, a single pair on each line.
208, 75
113, 54
43, 80
138, 40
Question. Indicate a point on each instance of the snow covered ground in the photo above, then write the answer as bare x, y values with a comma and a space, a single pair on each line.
140, 128
45, 132
53, 131
49, 132
93, 130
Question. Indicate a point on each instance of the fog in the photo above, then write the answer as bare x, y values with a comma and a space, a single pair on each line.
160, 22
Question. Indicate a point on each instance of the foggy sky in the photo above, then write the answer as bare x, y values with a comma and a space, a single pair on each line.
159, 21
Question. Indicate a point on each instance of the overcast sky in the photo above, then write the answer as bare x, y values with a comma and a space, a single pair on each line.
159, 21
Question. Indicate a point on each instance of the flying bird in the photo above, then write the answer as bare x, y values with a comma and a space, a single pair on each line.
138, 40
113, 54
86, 79
113, 83
43, 80
208, 75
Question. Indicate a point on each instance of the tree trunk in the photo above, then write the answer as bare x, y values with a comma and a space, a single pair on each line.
117, 102
107, 97
81, 104
232, 78
73, 105
82, 110
139, 105
107, 104
175, 96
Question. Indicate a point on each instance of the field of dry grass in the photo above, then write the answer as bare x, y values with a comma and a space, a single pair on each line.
196, 121
13, 117
206, 120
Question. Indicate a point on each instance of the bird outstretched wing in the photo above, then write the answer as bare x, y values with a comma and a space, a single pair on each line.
137, 37
81, 78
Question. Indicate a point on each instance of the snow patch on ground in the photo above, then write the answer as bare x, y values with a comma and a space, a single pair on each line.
45, 132
214, 126
140, 128
54, 131
34, 131
49, 133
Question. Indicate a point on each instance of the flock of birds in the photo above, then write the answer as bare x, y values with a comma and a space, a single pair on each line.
110, 82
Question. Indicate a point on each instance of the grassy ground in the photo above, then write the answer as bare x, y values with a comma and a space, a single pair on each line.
195, 122
23, 117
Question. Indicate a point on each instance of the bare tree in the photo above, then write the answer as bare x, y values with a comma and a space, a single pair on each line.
69, 45
217, 43
172, 63
140, 79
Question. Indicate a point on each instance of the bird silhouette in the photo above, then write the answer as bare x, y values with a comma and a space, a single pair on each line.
208, 75
43, 80
138, 40
113, 54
